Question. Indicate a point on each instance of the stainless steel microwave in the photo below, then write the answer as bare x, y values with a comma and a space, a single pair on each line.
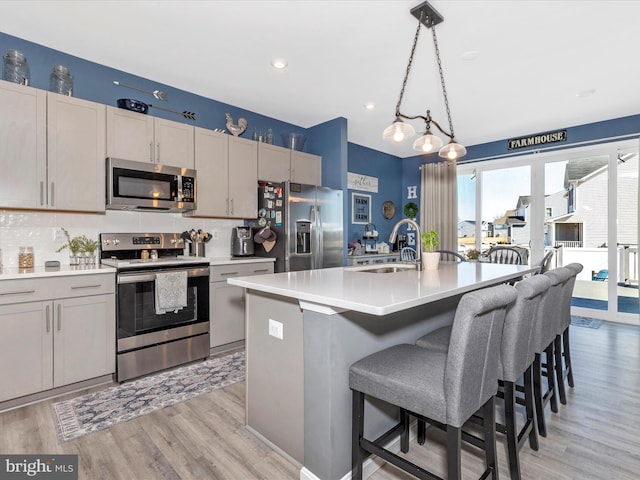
146, 186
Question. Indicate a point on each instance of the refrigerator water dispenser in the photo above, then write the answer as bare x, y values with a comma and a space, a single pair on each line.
303, 237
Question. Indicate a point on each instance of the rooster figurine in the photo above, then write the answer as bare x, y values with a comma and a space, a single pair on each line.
238, 129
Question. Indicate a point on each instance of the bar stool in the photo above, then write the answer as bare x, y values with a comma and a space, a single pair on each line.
561, 347
445, 389
517, 354
544, 343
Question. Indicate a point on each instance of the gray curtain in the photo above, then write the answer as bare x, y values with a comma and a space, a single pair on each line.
439, 202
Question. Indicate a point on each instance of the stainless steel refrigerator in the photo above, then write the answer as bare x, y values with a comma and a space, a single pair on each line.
308, 224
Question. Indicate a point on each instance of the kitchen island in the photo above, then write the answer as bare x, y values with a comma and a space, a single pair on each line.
304, 330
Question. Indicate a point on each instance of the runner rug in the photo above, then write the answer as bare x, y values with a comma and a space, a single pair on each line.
105, 408
585, 322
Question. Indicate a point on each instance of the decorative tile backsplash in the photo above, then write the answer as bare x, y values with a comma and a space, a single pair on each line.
42, 230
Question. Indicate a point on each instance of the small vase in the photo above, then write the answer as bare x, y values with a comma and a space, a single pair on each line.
430, 260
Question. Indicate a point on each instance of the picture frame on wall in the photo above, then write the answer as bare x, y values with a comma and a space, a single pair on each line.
360, 208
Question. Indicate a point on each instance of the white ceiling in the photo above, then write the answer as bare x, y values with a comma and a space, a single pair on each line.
533, 58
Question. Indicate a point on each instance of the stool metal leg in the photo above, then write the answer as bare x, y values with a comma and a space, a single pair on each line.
512, 430
454, 446
489, 427
557, 346
357, 431
567, 356
529, 407
537, 390
553, 398
404, 437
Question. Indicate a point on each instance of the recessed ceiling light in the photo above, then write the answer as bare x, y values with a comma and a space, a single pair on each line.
279, 63
585, 93
470, 55
369, 106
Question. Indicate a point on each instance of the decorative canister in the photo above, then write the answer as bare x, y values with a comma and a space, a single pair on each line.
25, 257
15, 68
61, 81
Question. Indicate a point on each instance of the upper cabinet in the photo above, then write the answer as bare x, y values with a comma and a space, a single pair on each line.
23, 142
75, 154
306, 168
136, 136
227, 167
53, 151
278, 164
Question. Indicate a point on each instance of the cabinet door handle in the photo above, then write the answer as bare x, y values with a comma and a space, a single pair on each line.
79, 287
228, 273
231, 212
158, 154
18, 292
59, 316
226, 209
48, 319
261, 270
41, 193
52, 192
151, 152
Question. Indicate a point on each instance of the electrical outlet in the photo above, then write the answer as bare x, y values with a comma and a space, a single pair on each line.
276, 329
58, 235
215, 235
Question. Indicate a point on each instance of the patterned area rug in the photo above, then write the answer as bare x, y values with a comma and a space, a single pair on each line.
585, 322
105, 408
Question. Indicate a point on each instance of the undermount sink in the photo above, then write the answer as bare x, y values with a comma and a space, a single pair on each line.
403, 267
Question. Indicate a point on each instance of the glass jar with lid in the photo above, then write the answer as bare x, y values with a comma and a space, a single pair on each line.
61, 81
25, 257
15, 68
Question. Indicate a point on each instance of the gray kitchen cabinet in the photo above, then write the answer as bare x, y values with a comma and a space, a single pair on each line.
243, 178
53, 151
23, 140
278, 164
75, 154
59, 341
274, 163
306, 168
227, 302
227, 184
212, 165
145, 138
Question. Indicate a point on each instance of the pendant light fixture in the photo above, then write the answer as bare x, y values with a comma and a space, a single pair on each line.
399, 130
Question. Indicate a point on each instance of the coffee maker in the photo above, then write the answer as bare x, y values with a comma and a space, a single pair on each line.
241, 242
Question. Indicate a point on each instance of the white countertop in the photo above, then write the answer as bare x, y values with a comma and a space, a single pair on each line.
14, 273
231, 261
352, 288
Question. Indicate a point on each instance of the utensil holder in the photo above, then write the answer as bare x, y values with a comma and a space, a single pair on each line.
196, 249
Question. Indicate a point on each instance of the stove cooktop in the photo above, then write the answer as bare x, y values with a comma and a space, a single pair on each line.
154, 263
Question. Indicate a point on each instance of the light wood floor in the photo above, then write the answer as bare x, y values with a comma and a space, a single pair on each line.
595, 436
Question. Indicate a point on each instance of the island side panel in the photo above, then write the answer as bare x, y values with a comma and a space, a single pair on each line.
331, 344
275, 372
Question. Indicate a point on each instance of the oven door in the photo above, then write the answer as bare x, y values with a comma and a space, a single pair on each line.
138, 324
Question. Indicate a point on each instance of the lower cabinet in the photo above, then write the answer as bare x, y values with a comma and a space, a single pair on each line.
227, 301
51, 343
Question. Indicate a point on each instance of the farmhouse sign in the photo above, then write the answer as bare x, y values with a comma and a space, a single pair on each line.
538, 139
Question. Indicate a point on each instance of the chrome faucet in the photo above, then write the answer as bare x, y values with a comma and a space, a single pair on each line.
394, 234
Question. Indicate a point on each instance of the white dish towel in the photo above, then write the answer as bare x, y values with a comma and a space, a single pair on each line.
171, 292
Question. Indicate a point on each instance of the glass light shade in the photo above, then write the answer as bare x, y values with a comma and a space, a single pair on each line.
452, 151
398, 131
427, 143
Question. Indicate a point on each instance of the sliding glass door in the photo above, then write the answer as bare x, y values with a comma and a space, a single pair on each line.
581, 204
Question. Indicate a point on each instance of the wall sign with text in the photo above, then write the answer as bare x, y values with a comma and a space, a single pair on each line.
537, 140
355, 181
360, 208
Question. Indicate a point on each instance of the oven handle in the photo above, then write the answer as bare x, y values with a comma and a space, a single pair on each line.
151, 276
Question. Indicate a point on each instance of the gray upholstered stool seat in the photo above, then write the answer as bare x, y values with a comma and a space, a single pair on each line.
438, 340
445, 389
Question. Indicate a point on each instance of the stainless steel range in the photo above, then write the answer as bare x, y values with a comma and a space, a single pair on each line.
162, 302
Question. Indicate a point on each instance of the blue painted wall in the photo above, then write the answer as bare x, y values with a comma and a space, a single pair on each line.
388, 169
94, 82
